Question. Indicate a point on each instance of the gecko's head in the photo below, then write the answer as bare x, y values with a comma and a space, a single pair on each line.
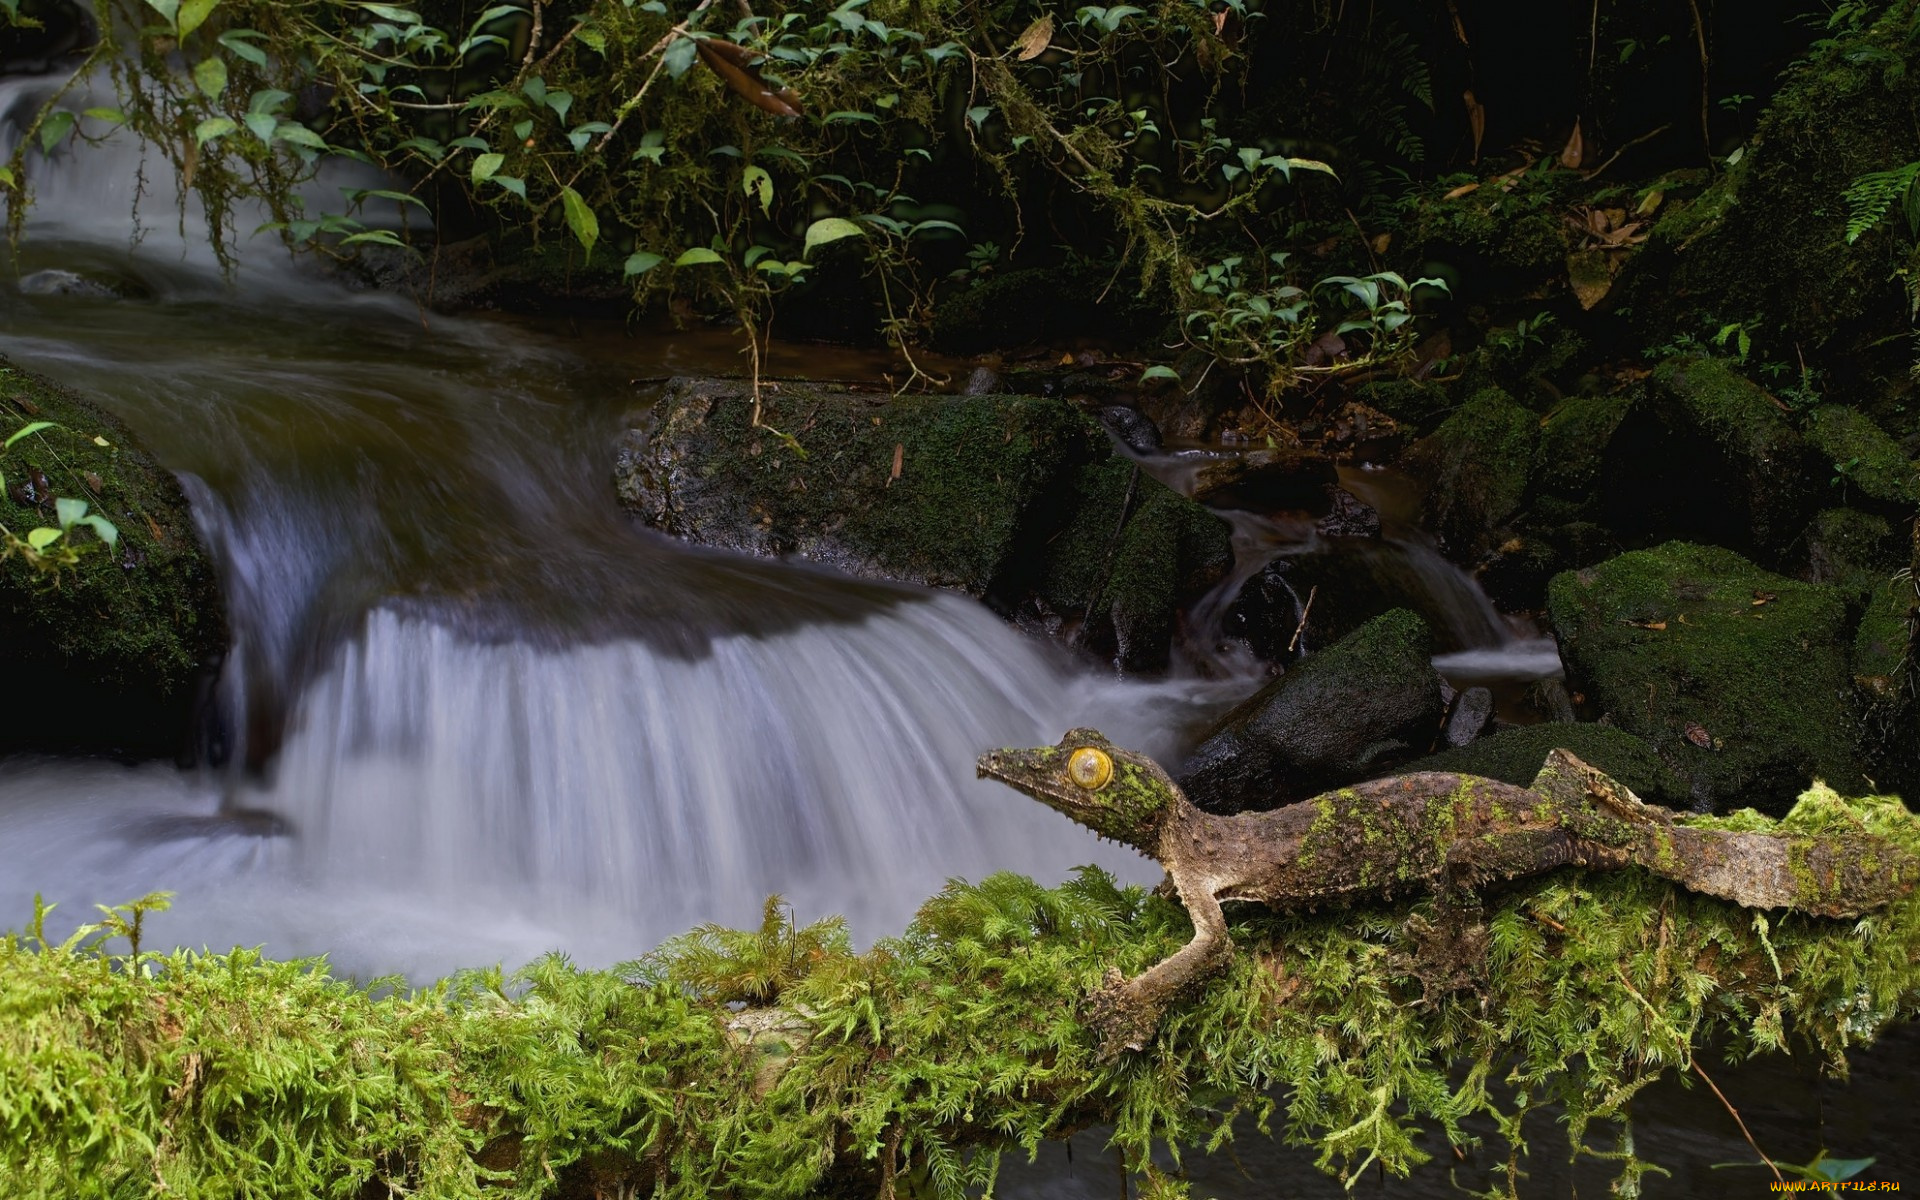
1114, 792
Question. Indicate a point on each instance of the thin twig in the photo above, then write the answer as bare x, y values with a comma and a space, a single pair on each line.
1304, 610
1698, 1070
1700, 36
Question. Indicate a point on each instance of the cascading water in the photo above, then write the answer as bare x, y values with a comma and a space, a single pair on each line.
487, 715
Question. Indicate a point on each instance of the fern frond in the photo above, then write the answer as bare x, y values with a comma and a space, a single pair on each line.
1869, 197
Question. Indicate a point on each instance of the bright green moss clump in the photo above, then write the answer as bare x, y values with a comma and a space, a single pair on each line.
918, 1063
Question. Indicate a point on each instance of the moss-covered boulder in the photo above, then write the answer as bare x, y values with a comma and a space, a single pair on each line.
113, 651
1711, 457
1362, 704
1854, 550
1866, 461
1019, 500
1475, 469
1765, 243
1570, 457
1515, 756
1738, 678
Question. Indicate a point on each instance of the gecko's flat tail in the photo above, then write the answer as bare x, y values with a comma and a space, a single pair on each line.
1834, 875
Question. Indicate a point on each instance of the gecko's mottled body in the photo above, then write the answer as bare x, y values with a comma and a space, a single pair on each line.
1424, 831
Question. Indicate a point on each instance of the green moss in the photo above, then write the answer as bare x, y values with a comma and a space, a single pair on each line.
1573, 443
1476, 468
1418, 404
1864, 458
1515, 230
1514, 756
1680, 636
1880, 642
105, 651
1723, 404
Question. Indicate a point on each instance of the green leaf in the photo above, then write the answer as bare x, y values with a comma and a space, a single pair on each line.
104, 528
210, 76
236, 41
7, 179
757, 183
485, 165
54, 129
642, 261
1158, 372
838, 118
979, 114
262, 124
678, 57
42, 537
580, 219
267, 100
166, 8
405, 16
27, 430
516, 186
830, 229
68, 511
297, 134
111, 116
194, 14
380, 237
697, 256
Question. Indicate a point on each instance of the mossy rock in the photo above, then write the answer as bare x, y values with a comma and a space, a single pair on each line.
1367, 701
1854, 550
1019, 500
1515, 756
1570, 457
1880, 641
112, 653
1038, 304
1766, 241
1475, 468
1865, 460
1685, 644
1418, 404
1516, 233
1749, 479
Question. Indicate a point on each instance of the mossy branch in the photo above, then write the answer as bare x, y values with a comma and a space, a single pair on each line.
918, 1063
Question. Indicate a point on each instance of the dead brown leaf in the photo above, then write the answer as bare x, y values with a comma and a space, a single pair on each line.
1574, 151
740, 68
1649, 203
899, 457
1220, 22
1476, 116
1654, 625
1038, 36
1760, 598
1462, 190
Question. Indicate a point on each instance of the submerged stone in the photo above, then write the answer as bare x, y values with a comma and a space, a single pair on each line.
1735, 676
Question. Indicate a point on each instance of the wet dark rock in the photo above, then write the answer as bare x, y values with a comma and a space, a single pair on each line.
1683, 638
1266, 614
1570, 458
56, 282
1858, 551
1134, 428
1472, 709
1475, 469
112, 659
1551, 700
1266, 480
1019, 500
983, 381
1348, 516
1516, 755
1711, 458
1368, 701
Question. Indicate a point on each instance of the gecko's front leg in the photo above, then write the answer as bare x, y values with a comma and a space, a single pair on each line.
1123, 1013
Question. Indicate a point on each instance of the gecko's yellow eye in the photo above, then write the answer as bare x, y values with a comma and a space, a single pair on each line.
1090, 768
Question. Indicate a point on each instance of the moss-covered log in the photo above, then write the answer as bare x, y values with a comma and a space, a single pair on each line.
778, 1063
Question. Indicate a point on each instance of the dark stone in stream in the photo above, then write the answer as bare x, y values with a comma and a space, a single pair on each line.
1348, 516
1366, 702
1266, 480
1475, 469
984, 381
1471, 711
1738, 678
111, 653
1134, 429
1019, 500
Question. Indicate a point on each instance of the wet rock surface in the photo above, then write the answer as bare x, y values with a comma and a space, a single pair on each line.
1019, 500
1738, 678
1468, 717
1475, 469
1368, 701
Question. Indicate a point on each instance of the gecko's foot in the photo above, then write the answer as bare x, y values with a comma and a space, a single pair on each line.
1121, 1017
